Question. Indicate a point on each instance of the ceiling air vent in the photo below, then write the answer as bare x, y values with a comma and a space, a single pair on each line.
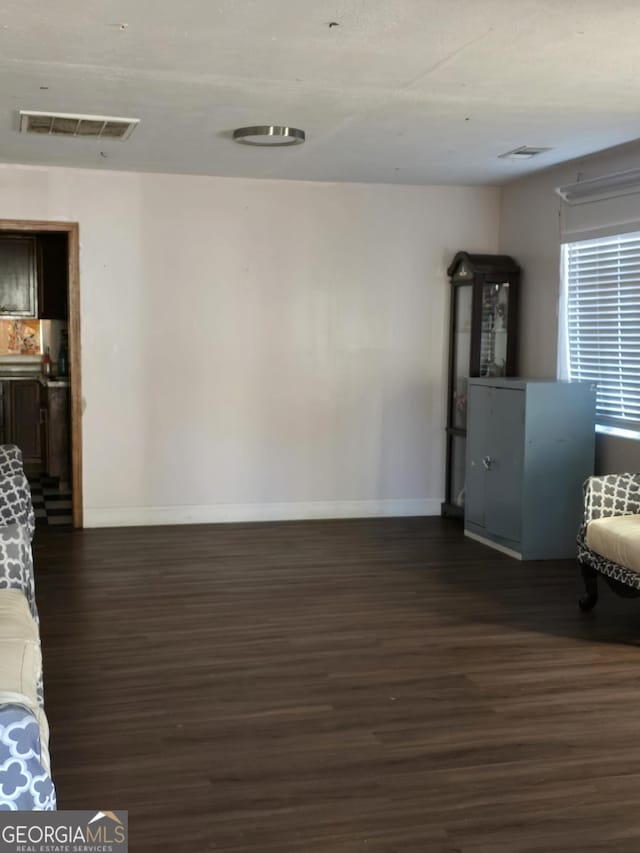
80, 126
525, 152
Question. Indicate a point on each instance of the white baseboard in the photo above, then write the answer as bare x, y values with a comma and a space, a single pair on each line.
495, 545
223, 513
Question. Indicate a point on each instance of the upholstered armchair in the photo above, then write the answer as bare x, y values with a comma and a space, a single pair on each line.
609, 538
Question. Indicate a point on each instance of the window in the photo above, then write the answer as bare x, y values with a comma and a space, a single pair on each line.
602, 325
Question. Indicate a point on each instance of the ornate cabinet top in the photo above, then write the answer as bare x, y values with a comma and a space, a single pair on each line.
466, 266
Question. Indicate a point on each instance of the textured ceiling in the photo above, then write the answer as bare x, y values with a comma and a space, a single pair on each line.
401, 91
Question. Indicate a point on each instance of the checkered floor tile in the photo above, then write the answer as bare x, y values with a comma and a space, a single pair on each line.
51, 505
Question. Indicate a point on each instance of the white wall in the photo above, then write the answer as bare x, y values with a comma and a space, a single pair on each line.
259, 349
530, 231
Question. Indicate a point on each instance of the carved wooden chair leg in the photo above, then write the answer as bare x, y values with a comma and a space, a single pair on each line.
590, 598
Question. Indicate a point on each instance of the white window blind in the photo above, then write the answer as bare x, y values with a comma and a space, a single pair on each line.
602, 291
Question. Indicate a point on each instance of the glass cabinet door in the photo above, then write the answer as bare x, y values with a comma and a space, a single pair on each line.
493, 335
457, 469
463, 295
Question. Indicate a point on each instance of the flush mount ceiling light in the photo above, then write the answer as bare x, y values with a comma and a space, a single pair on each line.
525, 152
269, 134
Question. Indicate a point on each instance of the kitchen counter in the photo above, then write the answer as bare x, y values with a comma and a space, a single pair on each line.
48, 381
56, 381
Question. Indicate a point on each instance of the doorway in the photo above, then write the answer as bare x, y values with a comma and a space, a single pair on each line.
55, 237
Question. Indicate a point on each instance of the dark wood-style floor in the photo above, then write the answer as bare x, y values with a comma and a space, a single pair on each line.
337, 687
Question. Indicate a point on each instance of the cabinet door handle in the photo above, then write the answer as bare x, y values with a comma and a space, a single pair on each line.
487, 461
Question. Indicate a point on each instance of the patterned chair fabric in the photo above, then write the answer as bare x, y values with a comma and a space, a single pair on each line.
610, 495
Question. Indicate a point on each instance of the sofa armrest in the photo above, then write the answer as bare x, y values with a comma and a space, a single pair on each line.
612, 494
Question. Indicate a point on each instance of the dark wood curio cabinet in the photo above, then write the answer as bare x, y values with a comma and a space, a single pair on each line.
482, 342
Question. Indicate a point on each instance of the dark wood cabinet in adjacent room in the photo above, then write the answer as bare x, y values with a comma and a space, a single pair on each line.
36, 418
53, 276
4, 426
19, 279
57, 439
21, 418
34, 280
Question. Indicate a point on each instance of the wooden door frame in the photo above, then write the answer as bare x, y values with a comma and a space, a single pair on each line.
72, 231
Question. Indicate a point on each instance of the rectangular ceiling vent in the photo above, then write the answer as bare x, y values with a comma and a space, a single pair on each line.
525, 152
80, 126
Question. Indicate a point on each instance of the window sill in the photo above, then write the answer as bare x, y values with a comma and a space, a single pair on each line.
618, 432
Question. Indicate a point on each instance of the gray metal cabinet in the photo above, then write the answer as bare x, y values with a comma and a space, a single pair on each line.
530, 446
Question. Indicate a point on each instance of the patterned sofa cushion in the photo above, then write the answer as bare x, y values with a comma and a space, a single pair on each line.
16, 563
25, 782
10, 460
15, 503
617, 538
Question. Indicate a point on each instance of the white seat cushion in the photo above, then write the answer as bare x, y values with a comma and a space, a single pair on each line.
20, 661
617, 539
